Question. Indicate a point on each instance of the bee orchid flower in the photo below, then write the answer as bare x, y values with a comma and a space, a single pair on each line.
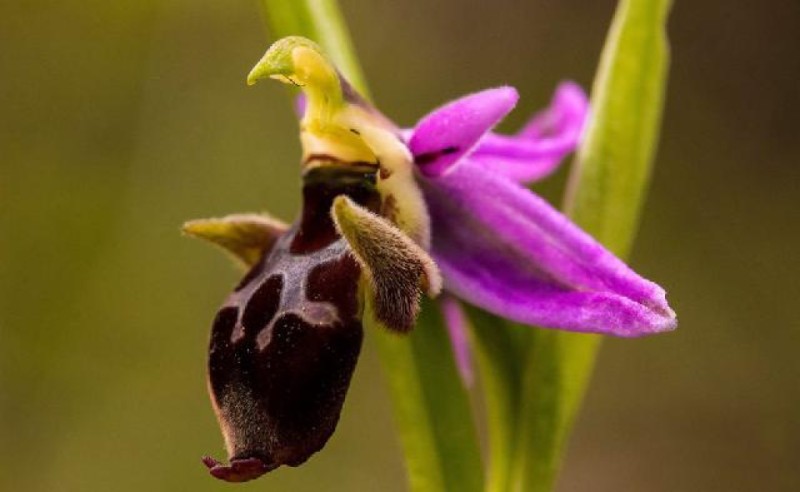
388, 215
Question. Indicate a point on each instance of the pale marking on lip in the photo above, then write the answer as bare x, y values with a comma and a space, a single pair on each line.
294, 295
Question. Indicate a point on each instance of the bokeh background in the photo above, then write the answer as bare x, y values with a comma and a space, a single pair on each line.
119, 120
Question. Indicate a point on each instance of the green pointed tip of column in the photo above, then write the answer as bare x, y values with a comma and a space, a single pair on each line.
278, 61
301, 62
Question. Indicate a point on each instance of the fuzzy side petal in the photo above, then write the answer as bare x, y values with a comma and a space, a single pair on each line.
448, 133
504, 249
397, 269
540, 147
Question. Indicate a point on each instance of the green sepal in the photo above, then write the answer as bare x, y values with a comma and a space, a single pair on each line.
243, 236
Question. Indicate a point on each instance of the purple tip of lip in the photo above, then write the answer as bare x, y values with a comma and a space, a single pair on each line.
240, 469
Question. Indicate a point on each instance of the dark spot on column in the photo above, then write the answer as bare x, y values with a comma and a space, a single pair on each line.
428, 157
321, 186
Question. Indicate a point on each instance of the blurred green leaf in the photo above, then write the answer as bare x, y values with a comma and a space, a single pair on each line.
500, 348
557, 370
605, 195
431, 405
607, 186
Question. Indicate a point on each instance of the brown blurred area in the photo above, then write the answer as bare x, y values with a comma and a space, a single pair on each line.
119, 120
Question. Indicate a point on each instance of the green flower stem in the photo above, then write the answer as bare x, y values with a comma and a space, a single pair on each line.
431, 405
557, 370
432, 408
500, 348
605, 195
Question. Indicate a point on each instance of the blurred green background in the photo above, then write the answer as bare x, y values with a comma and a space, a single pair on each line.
119, 120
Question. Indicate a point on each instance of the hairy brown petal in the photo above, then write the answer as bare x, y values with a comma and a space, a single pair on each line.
396, 267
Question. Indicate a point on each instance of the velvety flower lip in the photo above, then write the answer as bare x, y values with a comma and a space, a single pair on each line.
506, 250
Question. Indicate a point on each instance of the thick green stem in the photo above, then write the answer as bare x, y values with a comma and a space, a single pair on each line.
431, 405
500, 348
432, 408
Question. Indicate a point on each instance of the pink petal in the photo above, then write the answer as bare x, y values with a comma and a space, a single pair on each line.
447, 134
541, 146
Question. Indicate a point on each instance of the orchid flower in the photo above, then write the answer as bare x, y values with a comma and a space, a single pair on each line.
389, 214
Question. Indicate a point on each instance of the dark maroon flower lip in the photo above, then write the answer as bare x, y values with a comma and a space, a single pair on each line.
239, 469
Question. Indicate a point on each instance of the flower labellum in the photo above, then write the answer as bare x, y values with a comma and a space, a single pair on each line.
384, 212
